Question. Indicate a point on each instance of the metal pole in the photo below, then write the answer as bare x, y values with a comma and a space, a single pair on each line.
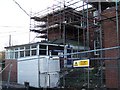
30, 26
88, 42
39, 70
10, 40
84, 38
47, 27
90, 51
64, 42
117, 32
78, 41
64, 34
101, 62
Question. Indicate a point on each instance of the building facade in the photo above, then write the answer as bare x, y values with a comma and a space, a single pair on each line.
37, 63
111, 38
74, 31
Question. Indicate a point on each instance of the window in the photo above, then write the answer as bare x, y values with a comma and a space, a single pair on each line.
27, 53
54, 49
21, 53
54, 53
34, 46
11, 54
42, 49
33, 52
27, 50
22, 47
16, 48
16, 54
42, 52
3, 65
42, 46
27, 47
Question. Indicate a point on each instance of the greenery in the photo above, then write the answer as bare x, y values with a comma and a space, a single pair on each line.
78, 77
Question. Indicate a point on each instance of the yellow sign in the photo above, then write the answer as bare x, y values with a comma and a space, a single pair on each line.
81, 63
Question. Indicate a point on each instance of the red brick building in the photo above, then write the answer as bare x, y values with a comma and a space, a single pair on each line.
111, 38
68, 25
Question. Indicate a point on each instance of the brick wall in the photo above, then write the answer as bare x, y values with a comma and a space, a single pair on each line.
13, 75
110, 40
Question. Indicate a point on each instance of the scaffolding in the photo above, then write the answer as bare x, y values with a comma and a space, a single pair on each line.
78, 23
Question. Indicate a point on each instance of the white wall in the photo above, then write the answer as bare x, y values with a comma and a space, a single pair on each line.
29, 67
28, 71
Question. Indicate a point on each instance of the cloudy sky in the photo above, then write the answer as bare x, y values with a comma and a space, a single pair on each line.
14, 22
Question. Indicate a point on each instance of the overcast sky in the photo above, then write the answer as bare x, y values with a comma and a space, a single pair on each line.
14, 22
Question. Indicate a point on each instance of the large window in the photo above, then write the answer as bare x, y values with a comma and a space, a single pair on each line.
42, 49
54, 49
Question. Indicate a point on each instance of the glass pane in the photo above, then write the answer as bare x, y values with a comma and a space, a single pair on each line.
22, 47
16, 48
54, 53
3, 65
27, 47
34, 52
42, 52
34, 46
11, 55
21, 53
27, 53
42, 46
16, 54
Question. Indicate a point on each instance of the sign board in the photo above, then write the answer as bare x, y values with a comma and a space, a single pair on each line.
81, 63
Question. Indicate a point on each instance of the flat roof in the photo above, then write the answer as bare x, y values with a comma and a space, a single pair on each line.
42, 43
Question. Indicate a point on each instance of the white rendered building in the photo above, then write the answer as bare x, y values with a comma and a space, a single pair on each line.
34, 64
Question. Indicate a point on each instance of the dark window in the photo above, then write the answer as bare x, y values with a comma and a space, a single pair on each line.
33, 46
3, 65
54, 49
21, 53
42, 46
27, 53
42, 52
22, 47
33, 52
16, 54
54, 53
27, 47
16, 48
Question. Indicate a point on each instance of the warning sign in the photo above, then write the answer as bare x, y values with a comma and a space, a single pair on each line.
81, 63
